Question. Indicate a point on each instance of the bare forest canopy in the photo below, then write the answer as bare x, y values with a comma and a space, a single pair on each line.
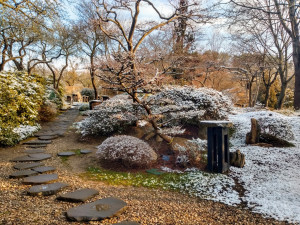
249, 50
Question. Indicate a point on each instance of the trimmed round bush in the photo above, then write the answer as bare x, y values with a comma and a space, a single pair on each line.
88, 92
129, 151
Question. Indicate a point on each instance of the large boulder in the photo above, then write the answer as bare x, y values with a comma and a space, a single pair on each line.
129, 151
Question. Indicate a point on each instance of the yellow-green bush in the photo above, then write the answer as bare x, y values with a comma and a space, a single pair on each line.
21, 96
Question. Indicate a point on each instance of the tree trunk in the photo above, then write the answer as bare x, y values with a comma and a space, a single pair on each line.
281, 97
267, 95
297, 82
94, 85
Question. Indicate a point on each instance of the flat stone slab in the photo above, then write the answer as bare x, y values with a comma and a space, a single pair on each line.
23, 173
32, 157
66, 153
36, 146
85, 151
98, 210
24, 166
46, 189
79, 196
127, 223
40, 179
49, 137
44, 169
34, 151
37, 142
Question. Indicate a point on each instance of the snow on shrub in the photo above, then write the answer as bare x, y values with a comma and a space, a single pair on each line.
270, 123
112, 115
20, 98
129, 151
181, 105
175, 106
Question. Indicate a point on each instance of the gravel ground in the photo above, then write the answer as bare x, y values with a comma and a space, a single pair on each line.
146, 206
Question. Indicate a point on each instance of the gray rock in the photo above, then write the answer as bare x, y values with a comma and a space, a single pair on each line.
46, 189
37, 142
24, 166
79, 196
40, 179
98, 210
66, 153
36, 146
22, 173
49, 137
44, 169
34, 151
85, 151
32, 157
127, 223
237, 159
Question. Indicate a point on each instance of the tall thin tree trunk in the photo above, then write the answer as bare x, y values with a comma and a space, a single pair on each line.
297, 80
281, 97
267, 97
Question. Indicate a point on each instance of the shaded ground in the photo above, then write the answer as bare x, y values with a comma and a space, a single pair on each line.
146, 206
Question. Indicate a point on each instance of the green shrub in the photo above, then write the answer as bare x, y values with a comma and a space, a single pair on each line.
84, 107
88, 92
21, 96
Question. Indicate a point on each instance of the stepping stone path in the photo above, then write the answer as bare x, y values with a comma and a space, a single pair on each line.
34, 151
40, 179
23, 173
44, 169
23, 166
46, 189
98, 210
84, 151
32, 157
79, 196
66, 153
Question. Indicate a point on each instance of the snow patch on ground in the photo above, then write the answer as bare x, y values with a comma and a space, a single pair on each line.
271, 175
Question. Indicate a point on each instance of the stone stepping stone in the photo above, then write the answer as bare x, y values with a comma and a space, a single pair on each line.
40, 179
23, 173
32, 157
38, 142
127, 223
36, 146
44, 169
34, 151
46, 189
85, 151
24, 166
98, 210
79, 196
66, 153
45, 138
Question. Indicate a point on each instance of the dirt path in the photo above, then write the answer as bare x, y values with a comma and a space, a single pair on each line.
146, 206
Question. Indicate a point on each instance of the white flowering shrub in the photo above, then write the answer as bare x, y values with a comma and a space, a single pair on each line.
21, 96
115, 114
188, 105
175, 107
129, 151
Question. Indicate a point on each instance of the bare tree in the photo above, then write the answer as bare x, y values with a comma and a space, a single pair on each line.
126, 69
94, 42
286, 12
